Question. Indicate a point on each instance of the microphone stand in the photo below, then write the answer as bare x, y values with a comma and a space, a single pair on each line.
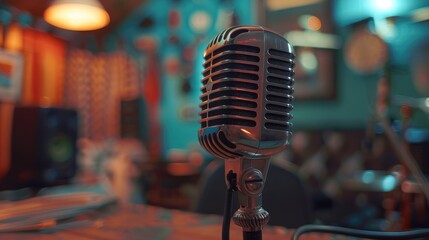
250, 183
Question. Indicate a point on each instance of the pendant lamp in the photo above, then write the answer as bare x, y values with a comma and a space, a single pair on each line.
77, 15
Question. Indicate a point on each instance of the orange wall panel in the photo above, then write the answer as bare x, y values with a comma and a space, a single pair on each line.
44, 57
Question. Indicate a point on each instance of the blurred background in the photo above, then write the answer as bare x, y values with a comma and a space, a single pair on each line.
117, 102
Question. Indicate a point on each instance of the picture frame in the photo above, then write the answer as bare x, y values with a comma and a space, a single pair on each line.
308, 25
11, 75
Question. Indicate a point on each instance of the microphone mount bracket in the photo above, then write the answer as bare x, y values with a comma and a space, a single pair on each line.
251, 175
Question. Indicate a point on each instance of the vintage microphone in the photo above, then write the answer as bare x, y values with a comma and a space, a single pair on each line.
245, 111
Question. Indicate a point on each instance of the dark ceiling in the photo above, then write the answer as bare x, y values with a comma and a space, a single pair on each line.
117, 9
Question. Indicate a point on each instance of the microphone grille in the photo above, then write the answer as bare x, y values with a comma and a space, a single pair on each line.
279, 89
230, 81
219, 145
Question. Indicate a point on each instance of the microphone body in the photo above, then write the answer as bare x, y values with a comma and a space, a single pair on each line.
245, 106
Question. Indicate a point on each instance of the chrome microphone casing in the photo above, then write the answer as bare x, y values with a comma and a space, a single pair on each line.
247, 93
245, 106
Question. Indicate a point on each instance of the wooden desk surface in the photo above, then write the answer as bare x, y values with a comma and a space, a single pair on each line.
154, 223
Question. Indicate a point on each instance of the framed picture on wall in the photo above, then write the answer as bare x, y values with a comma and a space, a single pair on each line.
309, 27
11, 74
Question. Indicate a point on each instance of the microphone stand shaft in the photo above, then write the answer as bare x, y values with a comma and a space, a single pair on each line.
251, 217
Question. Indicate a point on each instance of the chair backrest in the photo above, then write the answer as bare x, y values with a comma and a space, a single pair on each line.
285, 195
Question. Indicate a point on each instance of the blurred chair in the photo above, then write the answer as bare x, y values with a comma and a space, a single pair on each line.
285, 195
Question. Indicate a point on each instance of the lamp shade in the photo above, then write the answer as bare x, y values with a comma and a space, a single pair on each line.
77, 15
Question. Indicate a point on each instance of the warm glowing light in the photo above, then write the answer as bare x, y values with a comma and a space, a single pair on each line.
314, 23
77, 15
245, 131
13, 41
310, 22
